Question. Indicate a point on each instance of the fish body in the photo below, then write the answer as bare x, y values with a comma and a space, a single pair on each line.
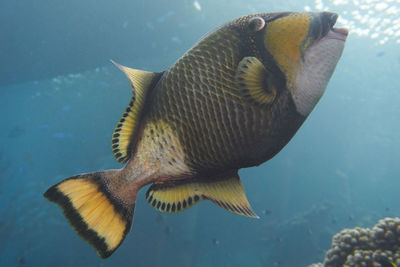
217, 127
234, 100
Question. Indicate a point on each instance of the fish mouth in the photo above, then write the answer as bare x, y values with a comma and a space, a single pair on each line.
338, 34
321, 29
326, 21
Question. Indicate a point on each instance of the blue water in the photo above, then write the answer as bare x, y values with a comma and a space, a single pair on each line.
61, 98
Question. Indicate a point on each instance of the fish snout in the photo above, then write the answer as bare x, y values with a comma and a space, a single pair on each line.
327, 20
323, 26
320, 52
306, 48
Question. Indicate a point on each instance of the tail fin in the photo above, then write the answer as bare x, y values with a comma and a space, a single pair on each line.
100, 217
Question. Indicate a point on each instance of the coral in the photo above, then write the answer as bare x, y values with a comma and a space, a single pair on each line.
363, 246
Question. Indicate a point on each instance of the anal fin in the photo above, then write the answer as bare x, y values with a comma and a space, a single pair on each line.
226, 192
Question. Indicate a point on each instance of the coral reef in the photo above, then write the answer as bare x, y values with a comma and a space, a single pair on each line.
365, 247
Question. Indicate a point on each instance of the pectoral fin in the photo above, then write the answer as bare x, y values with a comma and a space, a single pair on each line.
254, 81
123, 138
226, 192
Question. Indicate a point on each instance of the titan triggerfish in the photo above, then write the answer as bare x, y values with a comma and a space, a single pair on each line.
232, 101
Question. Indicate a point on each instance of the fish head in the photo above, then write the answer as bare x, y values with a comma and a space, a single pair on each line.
305, 47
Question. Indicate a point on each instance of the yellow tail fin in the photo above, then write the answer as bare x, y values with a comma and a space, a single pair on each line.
95, 214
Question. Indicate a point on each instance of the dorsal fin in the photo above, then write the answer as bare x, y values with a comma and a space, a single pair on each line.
123, 138
140, 79
227, 192
254, 81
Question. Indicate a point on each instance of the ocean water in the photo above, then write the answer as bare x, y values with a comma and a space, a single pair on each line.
60, 99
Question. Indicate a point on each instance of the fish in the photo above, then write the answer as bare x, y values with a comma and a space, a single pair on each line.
16, 132
267, 212
232, 101
385, 262
167, 230
21, 260
66, 108
159, 218
380, 54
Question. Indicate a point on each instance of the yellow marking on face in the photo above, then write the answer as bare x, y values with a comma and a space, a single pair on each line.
283, 39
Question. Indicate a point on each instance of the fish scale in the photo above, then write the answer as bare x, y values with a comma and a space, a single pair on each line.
226, 113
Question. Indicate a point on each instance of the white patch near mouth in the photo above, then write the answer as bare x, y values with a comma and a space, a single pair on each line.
317, 68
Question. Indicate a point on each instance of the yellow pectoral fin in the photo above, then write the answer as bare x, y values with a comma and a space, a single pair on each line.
254, 81
227, 192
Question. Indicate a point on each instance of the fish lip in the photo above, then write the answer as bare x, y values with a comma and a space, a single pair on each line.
322, 28
338, 34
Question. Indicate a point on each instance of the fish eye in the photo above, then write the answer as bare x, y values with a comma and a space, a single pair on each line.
256, 24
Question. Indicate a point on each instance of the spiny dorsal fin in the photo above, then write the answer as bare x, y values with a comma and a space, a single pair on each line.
140, 79
122, 141
228, 193
254, 83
